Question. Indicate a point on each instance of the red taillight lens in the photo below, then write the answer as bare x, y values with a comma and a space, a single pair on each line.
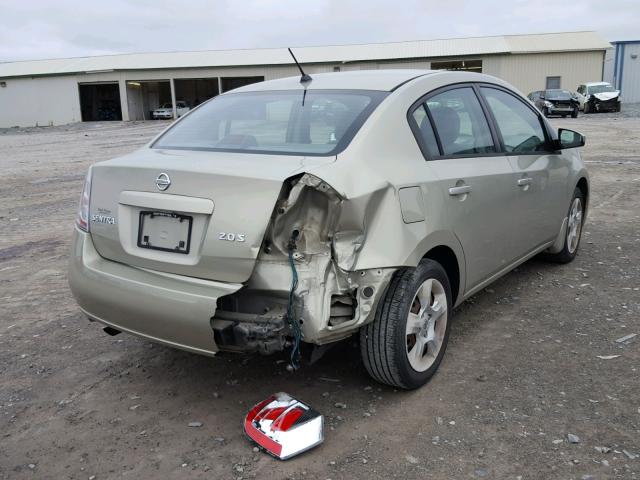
82, 219
286, 421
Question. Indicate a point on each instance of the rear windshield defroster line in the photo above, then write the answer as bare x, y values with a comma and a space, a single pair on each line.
284, 122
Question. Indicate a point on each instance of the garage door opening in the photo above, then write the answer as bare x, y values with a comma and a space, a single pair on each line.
100, 102
467, 65
143, 97
194, 91
236, 82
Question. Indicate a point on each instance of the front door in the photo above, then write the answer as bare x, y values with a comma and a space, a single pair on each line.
540, 171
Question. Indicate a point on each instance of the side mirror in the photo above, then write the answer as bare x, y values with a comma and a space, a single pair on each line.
541, 97
569, 139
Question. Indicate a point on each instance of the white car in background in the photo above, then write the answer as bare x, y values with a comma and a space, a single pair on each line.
166, 110
598, 97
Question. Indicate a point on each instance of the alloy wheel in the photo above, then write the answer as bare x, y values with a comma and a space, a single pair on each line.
426, 325
574, 226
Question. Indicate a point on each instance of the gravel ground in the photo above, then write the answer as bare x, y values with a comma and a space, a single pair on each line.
529, 361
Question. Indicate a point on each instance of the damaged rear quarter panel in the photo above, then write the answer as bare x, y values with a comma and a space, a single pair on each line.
350, 226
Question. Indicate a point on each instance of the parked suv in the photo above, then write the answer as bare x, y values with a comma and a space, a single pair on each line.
555, 102
295, 212
598, 97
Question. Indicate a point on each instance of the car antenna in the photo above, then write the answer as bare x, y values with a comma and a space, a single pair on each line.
304, 78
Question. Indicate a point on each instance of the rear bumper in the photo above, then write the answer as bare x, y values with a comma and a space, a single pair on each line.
165, 308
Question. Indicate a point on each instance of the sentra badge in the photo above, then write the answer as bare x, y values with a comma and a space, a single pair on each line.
103, 216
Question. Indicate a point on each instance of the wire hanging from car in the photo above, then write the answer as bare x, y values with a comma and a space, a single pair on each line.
293, 323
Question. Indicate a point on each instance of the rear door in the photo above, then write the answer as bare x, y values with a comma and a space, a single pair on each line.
541, 171
477, 180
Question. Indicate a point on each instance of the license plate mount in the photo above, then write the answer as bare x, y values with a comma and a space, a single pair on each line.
165, 231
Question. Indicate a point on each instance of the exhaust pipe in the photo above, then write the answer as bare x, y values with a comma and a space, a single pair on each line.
111, 331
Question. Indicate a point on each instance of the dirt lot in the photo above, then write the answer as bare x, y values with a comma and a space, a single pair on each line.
522, 370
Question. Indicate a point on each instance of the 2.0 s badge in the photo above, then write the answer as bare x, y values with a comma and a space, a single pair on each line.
231, 237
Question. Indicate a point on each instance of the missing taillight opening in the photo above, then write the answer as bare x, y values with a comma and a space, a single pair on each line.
82, 219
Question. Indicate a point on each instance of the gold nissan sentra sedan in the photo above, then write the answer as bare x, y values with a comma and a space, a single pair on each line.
303, 211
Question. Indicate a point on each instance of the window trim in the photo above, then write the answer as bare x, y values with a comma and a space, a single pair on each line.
548, 142
415, 128
493, 126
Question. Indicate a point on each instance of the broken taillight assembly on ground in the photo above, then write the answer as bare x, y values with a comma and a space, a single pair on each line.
284, 426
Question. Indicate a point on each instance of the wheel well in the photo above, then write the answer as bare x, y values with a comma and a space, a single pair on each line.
447, 258
584, 188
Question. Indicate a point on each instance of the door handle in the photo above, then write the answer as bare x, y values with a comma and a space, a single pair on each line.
523, 182
459, 190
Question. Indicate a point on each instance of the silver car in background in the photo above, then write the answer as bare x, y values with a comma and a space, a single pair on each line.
297, 213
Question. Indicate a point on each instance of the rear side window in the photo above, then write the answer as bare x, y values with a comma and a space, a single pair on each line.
518, 124
426, 131
459, 123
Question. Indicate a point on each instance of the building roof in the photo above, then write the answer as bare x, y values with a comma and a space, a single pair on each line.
383, 80
504, 44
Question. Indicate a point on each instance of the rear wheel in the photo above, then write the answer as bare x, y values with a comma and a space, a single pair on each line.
574, 114
586, 108
545, 111
573, 233
405, 343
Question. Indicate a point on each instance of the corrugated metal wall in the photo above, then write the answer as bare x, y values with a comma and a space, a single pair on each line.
528, 72
45, 100
630, 72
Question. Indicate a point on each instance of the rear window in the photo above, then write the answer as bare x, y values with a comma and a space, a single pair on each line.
295, 122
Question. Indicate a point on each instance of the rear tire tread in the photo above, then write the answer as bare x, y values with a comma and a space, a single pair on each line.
377, 345
377, 350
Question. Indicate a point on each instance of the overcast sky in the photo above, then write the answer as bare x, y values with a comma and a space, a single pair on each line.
35, 29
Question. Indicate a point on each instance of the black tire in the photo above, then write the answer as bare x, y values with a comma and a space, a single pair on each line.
383, 342
574, 114
567, 255
545, 111
586, 108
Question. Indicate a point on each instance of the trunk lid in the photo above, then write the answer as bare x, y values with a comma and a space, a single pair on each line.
208, 222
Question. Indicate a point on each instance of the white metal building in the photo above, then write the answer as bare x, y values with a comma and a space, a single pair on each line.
622, 69
130, 86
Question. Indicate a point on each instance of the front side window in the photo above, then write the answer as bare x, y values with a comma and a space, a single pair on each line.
519, 126
460, 123
318, 122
